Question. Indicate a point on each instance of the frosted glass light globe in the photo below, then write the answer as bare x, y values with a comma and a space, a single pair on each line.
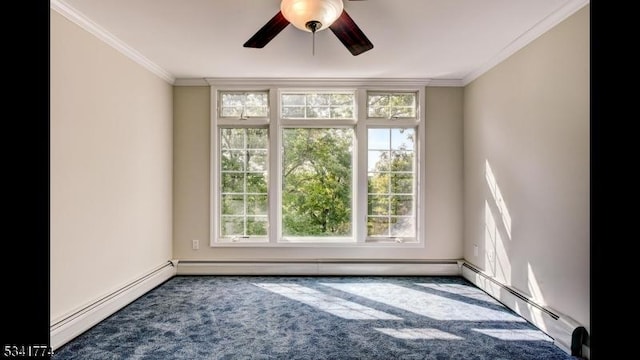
300, 12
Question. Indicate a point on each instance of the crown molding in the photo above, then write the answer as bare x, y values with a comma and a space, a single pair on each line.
84, 22
319, 82
190, 82
305, 82
527, 37
446, 83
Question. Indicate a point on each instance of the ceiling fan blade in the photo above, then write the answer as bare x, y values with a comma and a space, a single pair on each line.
350, 34
268, 31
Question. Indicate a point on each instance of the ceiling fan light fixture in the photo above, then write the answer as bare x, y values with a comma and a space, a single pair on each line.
301, 12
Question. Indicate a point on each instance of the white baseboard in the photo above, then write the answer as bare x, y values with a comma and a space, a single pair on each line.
558, 326
320, 267
67, 328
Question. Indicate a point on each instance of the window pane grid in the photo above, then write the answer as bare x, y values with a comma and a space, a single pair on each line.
318, 106
244, 104
243, 185
391, 178
391, 105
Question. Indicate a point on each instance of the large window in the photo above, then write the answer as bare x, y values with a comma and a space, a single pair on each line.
317, 167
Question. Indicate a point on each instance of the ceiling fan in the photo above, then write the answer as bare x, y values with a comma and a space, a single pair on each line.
313, 16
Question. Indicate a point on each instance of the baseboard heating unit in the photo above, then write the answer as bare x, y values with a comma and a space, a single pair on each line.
71, 325
567, 333
320, 267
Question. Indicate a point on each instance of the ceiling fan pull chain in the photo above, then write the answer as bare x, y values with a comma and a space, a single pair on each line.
313, 25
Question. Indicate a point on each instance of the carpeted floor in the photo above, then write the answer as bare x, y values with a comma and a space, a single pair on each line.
263, 317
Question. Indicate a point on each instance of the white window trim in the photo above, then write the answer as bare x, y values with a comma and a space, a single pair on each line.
361, 86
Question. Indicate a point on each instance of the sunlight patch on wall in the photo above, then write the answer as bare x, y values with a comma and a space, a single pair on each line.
497, 261
331, 304
536, 293
425, 304
497, 197
490, 234
503, 263
417, 333
534, 286
515, 334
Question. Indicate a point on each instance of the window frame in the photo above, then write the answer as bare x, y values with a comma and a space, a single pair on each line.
393, 93
218, 187
361, 123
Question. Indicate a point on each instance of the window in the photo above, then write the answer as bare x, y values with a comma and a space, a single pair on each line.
308, 167
317, 106
391, 183
242, 105
243, 184
391, 105
317, 186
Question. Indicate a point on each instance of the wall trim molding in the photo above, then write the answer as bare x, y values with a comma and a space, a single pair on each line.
71, 325
317, 82
320, 81
544, 25
87, 24
558, 326
446, 83
320, 267
191, 82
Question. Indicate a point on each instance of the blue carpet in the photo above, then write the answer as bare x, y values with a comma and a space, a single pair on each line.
265, 317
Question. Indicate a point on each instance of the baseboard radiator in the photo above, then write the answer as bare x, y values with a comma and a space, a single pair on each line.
567, 333
320, 267
68, 327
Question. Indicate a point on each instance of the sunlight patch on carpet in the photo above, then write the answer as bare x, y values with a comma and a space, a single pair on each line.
422, 303
331, 304
515, 334
462, 290
414, 334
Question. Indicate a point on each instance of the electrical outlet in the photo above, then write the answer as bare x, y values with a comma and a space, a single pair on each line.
195, 244
475, 250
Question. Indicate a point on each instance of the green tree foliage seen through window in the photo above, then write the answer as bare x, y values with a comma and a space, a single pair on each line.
390, 190
244, 163
317, 181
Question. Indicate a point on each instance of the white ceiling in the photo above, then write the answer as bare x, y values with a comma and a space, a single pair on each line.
417, 39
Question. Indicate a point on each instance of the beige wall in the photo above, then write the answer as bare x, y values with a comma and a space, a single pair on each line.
528, 121
110, 153
192, 182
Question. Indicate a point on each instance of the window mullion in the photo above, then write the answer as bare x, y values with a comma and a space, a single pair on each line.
215, 185
419, 169
389, 187
245, 197
361, 193
274, 178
